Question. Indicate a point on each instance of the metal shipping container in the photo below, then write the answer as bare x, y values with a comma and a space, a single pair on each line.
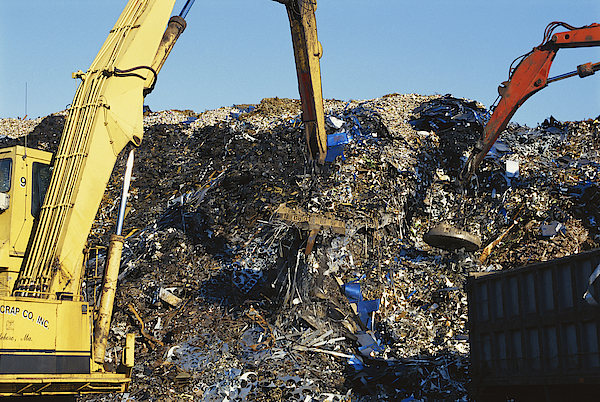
532, 334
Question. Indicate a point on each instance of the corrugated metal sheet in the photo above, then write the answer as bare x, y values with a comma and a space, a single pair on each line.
531, 325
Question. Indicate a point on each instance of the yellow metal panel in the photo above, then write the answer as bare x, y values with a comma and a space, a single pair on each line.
129, 351
73, 326
28, 324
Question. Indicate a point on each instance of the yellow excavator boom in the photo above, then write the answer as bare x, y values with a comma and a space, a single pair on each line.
106, 114
307, 53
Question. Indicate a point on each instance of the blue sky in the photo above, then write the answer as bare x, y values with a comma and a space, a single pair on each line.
240, 51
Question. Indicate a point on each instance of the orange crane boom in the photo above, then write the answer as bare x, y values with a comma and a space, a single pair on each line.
529, 77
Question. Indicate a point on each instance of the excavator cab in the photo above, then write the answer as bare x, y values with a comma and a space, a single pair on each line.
24, 179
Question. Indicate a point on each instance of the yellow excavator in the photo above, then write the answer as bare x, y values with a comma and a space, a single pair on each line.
53, 338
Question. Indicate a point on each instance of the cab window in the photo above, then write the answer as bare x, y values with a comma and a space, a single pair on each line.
41, 180
5, 172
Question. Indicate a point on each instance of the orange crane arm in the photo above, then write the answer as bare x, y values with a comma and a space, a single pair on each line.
530, 76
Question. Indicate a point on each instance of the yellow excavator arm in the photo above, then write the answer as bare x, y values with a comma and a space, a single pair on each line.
106, 114
307, 53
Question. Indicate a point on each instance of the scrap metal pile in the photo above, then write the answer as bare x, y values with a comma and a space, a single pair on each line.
247, 276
